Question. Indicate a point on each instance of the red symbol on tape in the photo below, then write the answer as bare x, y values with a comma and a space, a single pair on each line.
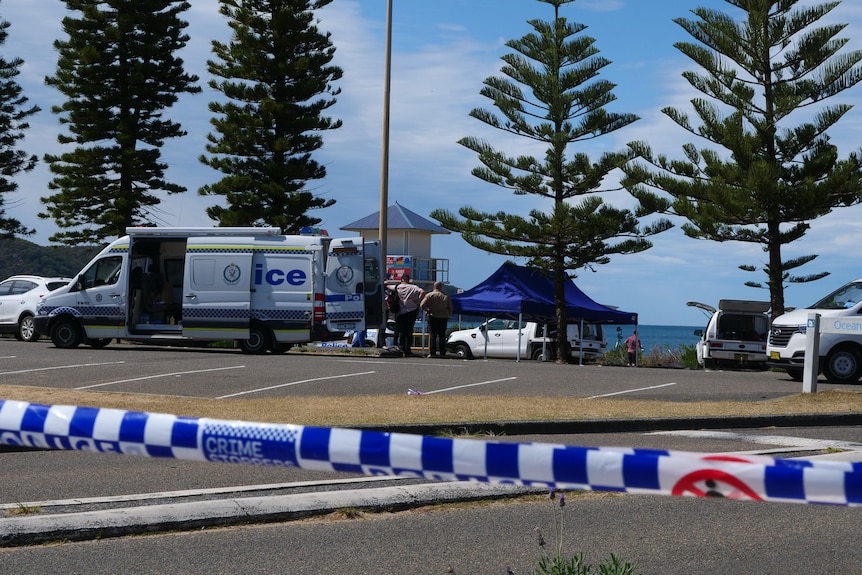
714, 483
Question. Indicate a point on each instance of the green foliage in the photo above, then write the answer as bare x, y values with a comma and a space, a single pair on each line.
577, 565
556, 563
23, 257
786, 277
688, 355
564, 104
769, 178
682, 356
23, 509
271, 123
13, 119
615, 356
119, 74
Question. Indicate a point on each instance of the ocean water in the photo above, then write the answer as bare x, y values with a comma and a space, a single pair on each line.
661, 336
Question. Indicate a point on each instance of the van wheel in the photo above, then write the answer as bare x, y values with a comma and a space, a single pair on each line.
279, 348
257, 342
462, 350
795, 373
842, 365
66, 334
26, 329
98, 343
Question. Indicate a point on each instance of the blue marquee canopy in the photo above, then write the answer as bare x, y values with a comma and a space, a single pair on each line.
516, 291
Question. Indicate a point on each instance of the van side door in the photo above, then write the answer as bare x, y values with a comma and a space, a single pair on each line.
217, 287
283, 288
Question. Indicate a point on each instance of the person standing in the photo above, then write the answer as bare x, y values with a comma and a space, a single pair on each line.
438, 307
410, 296
633, 345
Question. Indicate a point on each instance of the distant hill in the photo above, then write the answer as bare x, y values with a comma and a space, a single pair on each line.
22, 257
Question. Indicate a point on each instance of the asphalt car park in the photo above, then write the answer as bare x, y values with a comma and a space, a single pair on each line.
226, 373
662, 534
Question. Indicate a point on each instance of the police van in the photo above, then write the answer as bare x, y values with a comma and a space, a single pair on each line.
265, 290
840, 351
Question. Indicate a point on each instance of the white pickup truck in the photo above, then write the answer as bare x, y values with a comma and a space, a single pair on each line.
498, 338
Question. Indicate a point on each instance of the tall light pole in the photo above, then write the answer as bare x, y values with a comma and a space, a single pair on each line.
383, 223
384, 172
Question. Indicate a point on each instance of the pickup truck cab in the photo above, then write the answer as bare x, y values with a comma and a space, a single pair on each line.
840, 353
735, 334
498, 338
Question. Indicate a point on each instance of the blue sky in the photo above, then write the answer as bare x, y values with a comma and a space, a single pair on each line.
442, 51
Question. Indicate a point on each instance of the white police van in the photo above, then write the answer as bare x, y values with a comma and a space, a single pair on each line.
840, 350
266, 290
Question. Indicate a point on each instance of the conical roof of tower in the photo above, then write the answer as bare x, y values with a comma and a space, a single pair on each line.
398, 218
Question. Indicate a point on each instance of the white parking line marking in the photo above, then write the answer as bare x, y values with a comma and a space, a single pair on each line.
61, 367
468, 385
158, 375
295, 383
8, 356
629, 391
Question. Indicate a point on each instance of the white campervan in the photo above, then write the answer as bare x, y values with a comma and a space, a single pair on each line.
266, 290
840, 353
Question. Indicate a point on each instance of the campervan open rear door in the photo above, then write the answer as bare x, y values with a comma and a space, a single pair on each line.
217, 287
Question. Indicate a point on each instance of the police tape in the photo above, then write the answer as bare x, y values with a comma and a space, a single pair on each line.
447, 459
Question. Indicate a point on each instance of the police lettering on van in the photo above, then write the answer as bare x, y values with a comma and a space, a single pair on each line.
276, 277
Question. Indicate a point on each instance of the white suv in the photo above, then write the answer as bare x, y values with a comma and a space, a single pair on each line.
19, 297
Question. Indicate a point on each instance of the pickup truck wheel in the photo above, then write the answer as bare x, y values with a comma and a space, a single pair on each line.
26, 329
539, 356
66, 334
257, 342
842, 365
462, 350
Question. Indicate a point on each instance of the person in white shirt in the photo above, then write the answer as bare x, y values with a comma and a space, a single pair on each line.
410, 296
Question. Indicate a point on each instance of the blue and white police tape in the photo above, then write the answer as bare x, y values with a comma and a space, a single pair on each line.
377, 453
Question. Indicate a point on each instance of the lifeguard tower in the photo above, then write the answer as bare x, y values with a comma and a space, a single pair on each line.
408, 245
